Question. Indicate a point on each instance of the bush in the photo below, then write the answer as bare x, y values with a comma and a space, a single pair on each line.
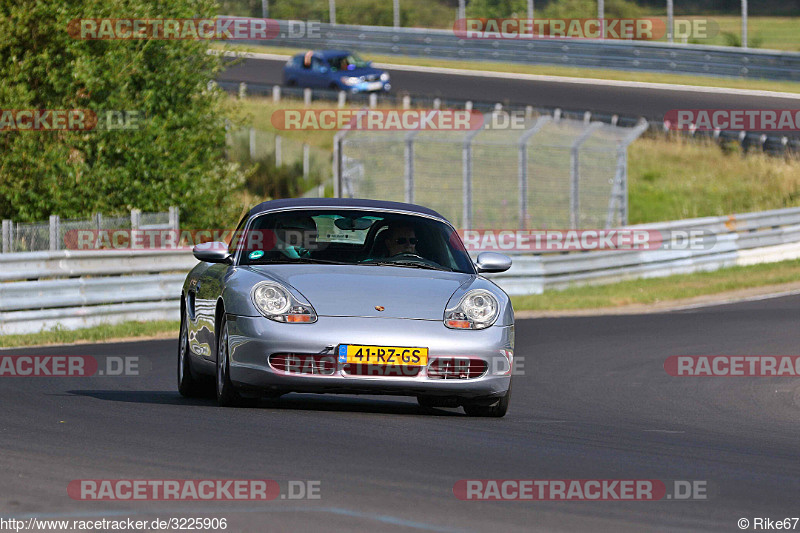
177, 157
268, 181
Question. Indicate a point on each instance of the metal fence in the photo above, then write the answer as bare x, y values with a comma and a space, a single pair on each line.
52, 235
625, 55
77, 289
253, 144
553, 172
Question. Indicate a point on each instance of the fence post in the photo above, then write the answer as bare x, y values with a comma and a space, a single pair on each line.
619, 191
523, 168
136, 217
307, 97
373, 100
174, 218
276, 93
6, 236
55, 232
466, 163
437, 103
278, 154
305, 160
574, 174
252, 143
337, 163
406, 102
242, 90
408, 157
98, 221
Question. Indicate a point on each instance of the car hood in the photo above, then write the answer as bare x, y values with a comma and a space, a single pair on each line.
353, 290
364, 71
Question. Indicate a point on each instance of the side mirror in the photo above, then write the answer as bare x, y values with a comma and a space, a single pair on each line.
212, 252
492, 262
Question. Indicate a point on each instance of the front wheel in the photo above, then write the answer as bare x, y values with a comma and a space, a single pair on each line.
188, 385
227, 395
496, 410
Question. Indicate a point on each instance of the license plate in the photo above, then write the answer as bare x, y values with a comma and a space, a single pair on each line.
374, 86
382, 355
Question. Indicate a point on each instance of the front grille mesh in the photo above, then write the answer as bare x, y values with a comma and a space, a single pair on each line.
456, 368
324, 365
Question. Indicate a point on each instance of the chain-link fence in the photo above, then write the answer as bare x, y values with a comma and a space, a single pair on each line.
53, 234
548, 172
251, 145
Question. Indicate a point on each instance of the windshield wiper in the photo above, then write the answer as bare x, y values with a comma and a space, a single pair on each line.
407, 264
287, 261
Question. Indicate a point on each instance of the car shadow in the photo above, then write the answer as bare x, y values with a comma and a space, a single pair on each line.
290, 402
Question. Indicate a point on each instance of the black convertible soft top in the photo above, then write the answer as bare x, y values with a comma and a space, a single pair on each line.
359, 203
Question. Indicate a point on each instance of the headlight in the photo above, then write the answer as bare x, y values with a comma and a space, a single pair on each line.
478, 309
350, 80
276, 303
385, 76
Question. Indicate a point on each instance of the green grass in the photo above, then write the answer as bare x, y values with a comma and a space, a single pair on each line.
553, 70
770, 33
100, 333
650, 291
671, 179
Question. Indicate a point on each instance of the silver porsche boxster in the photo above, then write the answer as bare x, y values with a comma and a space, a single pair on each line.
347, 296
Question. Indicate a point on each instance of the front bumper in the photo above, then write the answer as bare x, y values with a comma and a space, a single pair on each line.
368, 87
254, 339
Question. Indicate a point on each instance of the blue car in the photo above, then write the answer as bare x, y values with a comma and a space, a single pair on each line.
334, 69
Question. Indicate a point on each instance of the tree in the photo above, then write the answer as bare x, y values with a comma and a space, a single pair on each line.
176, 157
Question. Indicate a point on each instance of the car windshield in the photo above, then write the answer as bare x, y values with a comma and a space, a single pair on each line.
354, 237
347, 62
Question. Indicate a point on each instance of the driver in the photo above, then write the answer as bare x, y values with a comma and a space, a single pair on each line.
401, 240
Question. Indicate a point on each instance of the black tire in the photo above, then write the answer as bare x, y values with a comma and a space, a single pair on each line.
496, 410
188, 384
227, 395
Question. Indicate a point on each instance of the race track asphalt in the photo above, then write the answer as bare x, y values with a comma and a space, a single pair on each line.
594, 402
627, 101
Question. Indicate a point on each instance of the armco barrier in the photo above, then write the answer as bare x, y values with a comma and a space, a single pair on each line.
74, 289
612, 54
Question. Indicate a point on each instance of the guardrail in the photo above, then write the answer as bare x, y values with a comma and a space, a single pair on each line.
612, 54
743, 239
76, 289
